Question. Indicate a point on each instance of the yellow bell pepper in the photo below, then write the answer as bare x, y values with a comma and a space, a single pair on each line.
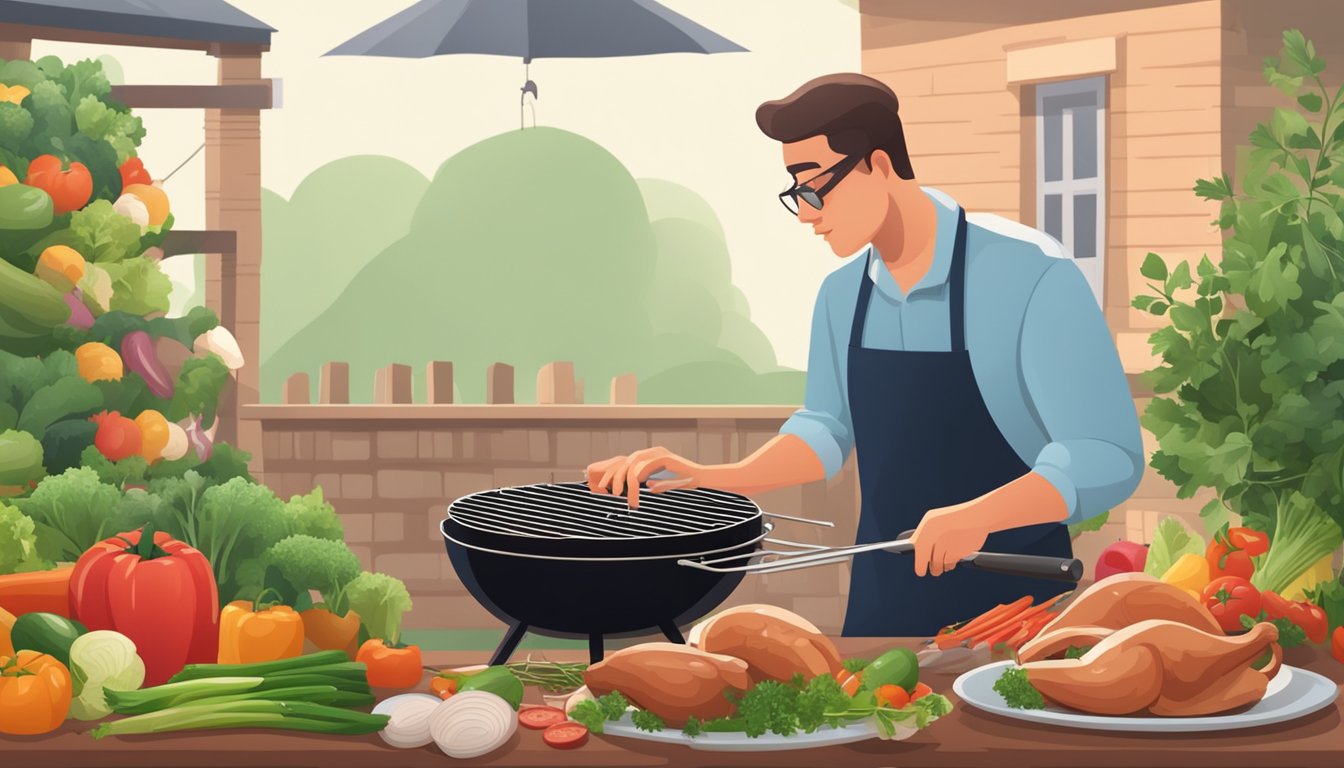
248, 634
1321, 570
1190, 573
7, 620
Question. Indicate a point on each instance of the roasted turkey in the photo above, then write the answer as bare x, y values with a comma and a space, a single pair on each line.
1114, 603
775, 643
1160, 666
671, 680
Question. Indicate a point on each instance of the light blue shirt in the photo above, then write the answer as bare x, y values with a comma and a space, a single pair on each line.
1043, 357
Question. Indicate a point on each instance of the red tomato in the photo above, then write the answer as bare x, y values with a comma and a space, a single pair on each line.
1227, 557
1337, 644
117, 437
70, 188
565, 736
893, 696
1229, 598
921, 690
1255, 543
540, 718
1311, 618
133, 172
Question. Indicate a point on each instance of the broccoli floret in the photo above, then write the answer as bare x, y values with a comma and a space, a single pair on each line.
1017, 691
313, 516
693, 727
237, 521
380, 600
645, 720
308, 563
15, 125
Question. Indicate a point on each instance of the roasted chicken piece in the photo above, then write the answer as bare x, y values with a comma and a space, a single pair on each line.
671, 680
775, 643
1116, 602
1163, 667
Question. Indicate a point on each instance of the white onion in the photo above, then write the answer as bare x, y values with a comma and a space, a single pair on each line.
177, 444
219, 341
132, 208
472, 723
408, 726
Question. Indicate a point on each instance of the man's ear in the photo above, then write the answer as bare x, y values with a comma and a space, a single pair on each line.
880, 162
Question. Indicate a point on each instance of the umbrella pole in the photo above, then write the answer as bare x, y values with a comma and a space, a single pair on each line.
528, 87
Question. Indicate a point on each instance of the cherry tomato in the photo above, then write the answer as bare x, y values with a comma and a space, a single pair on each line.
1311, 618
443, 687
565, 736
1337, 644
893, 696
921, 690
1227, 556
1228, 598
1275, 607
540, 718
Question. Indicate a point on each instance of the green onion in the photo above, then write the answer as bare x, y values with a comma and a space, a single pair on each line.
321, 658
315, 694
170, 694
283, 715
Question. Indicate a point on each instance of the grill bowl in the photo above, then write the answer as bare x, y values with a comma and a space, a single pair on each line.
620, 577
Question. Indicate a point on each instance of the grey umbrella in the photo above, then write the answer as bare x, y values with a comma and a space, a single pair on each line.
534, 29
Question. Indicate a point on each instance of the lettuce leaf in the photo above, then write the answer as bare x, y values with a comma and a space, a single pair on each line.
139, 286
103, 235
1170, 542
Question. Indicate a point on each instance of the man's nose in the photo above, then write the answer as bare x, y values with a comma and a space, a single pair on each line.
807, 214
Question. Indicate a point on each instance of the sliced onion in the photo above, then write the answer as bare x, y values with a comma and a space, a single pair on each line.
472, 723
577, 697
408, 723
80, 316
199, 440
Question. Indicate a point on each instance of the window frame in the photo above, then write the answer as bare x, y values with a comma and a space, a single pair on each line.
1066, 186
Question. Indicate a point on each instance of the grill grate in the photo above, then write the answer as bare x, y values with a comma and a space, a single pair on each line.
571, 511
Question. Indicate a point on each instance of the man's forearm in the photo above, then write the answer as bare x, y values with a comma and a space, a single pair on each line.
1028, 500
784, 461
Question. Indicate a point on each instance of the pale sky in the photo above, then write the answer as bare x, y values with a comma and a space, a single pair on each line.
683, 117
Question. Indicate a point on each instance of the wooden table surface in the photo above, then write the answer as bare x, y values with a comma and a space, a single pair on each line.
966, 737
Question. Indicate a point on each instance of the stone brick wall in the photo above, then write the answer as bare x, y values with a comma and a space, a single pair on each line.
391, 470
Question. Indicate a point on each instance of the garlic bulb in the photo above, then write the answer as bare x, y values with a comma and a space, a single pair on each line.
219, 341
132, 208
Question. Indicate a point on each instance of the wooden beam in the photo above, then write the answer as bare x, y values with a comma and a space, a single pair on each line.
242, 96
296, 389
499, 384
439, 382
624, 389
392, 385
555, 383
180, 241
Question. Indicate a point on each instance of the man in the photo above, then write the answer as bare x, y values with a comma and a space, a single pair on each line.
973, 374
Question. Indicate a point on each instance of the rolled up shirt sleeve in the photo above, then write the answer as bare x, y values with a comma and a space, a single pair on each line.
1077, 387
824, 420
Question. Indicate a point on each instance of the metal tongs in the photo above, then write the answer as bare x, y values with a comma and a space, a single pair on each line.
776, 561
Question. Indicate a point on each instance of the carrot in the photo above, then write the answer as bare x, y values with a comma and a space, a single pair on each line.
1031, 629
1014, 619
38, 591
992, 616
993, 640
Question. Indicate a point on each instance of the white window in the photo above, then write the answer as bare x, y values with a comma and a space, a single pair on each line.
1071, 171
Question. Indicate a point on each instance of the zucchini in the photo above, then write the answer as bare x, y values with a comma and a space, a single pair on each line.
898, 666
46, 633
26, 295
24, 207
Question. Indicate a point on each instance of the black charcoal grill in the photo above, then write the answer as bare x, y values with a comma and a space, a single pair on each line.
559, 560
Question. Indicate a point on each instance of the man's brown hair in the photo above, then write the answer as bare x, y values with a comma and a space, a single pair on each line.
857, 114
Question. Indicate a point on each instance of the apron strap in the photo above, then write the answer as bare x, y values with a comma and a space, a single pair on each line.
956, 297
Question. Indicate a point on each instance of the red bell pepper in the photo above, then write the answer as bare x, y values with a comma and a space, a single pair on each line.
155, 590
1231, 550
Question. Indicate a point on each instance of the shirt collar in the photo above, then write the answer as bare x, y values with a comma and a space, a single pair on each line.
943, 244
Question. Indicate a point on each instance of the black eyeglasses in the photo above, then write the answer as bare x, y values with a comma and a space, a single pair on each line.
813, 197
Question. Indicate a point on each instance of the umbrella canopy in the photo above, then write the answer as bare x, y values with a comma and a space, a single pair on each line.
535, 29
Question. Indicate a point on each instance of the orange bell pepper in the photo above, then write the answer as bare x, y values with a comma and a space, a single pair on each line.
391, 666
326, 631
249, 633
35, 693
37, 592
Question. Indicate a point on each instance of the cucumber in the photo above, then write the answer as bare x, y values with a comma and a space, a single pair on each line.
24, 207
898, 666
26, 295
46, 633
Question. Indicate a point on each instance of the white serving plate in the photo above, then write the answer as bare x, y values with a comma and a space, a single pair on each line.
1293, 693
824, 736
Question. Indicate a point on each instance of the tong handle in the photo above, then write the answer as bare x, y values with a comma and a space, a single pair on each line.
1035, 566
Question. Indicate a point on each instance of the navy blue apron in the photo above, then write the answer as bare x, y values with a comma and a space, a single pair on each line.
924, 439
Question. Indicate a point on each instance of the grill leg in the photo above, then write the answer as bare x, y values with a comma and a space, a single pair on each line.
509, 644
595, 649
672, 632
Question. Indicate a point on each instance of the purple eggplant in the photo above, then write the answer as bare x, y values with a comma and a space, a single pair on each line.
80, 316
199, 440
137, 351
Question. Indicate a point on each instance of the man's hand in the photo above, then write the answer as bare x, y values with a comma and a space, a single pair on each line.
946, 535
623, 474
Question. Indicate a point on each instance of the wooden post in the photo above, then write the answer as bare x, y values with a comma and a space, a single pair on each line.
555, 384
578, 391
392, 384
333, 384
439, 382
233, 202
296, 389
15, 47
624, 389
499, 384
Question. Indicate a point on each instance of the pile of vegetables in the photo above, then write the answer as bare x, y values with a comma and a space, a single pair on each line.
1248, 389
1004, 627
